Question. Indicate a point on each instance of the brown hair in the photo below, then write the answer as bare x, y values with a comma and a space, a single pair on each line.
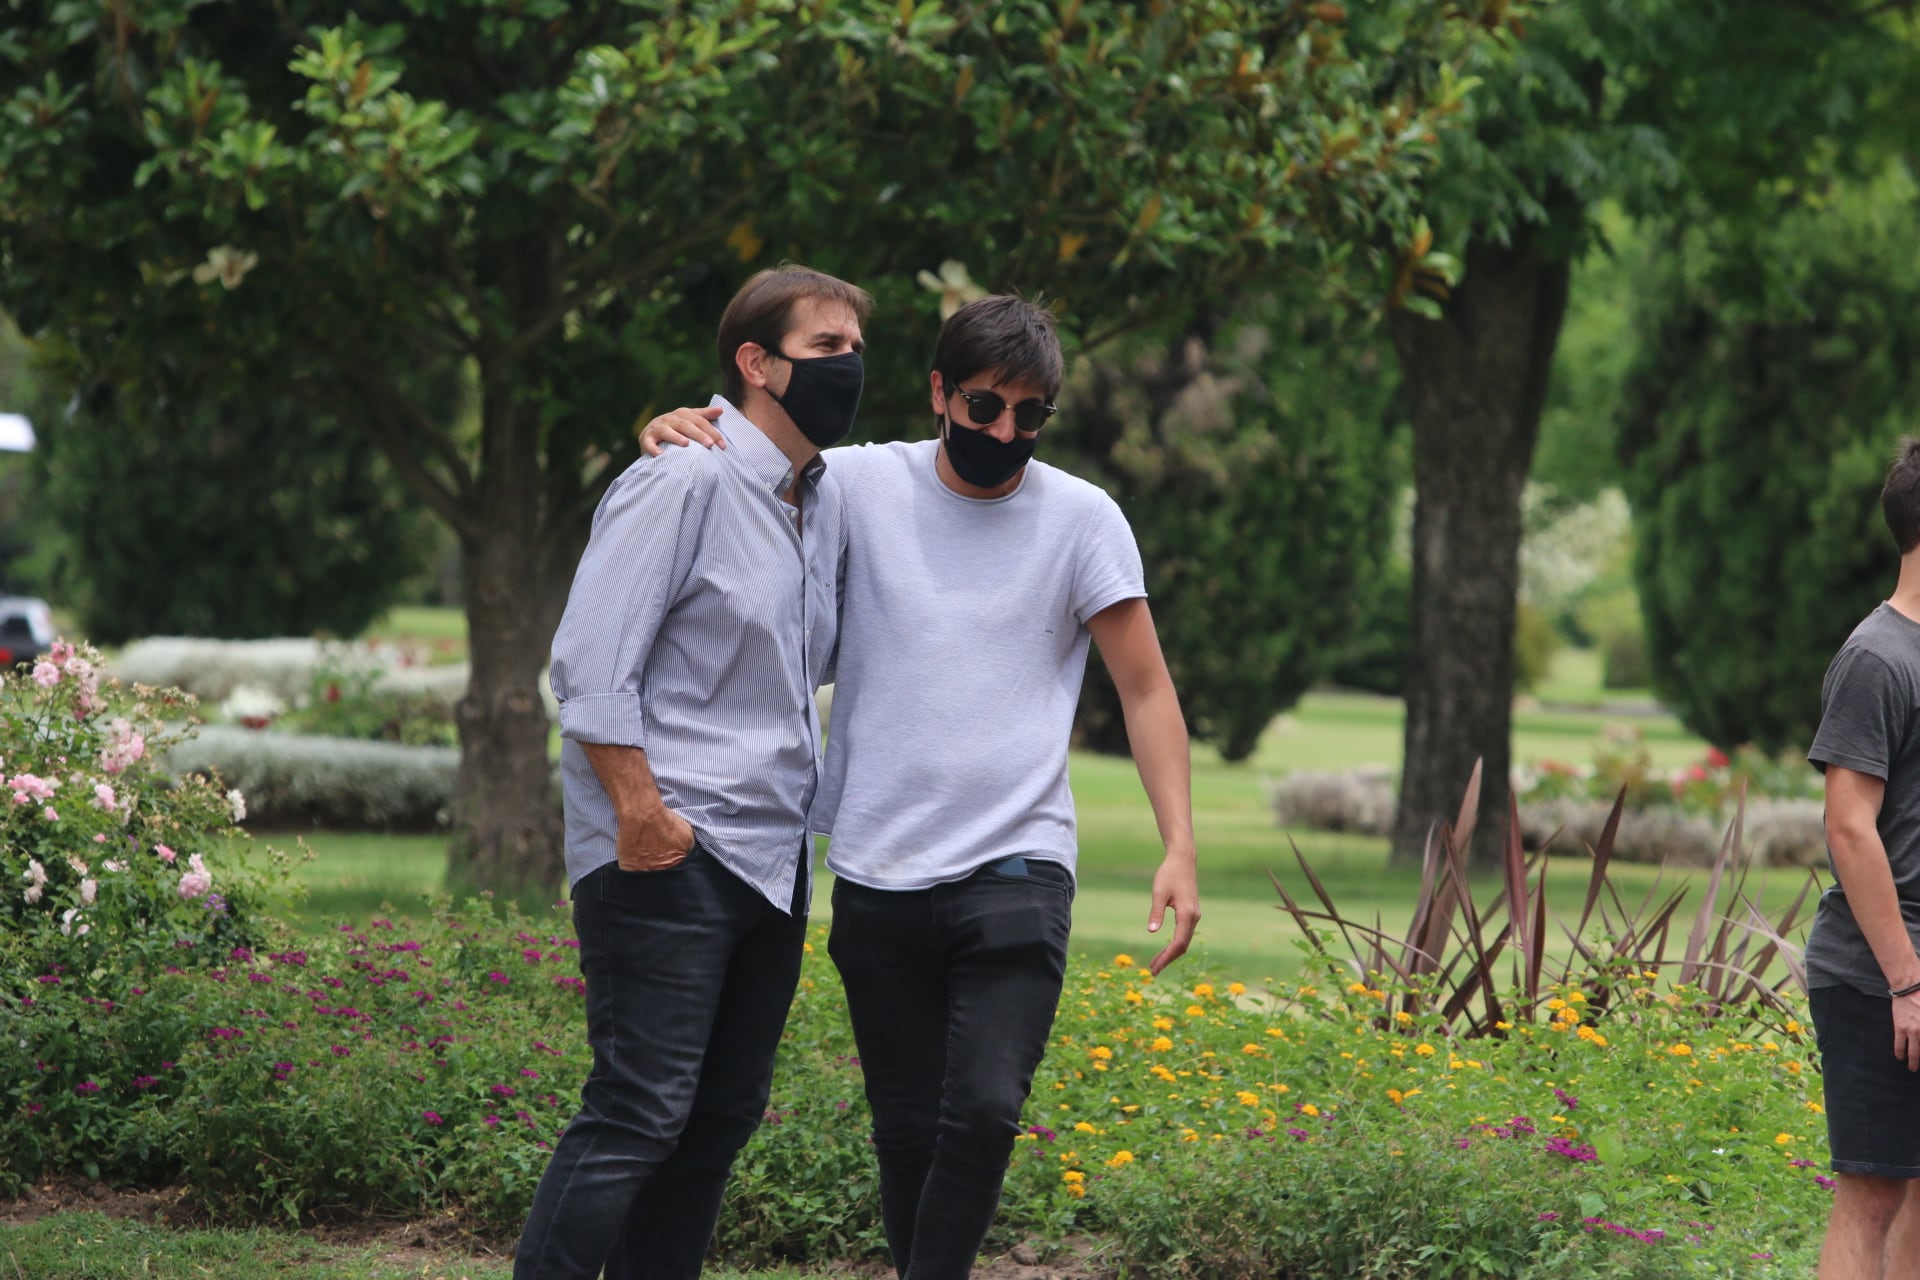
763, 309
1003, 333
1900, 498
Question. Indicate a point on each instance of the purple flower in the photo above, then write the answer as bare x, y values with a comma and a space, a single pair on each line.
492, 1122
1824, 1181
499, 977
432, 1117
1298, 1135
86, 1087
504, 1090
1567, 1100
144, 1082
1548, 1216
1576, 1152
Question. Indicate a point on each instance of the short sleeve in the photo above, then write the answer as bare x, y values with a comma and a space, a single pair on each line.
1865, 712
1108, 569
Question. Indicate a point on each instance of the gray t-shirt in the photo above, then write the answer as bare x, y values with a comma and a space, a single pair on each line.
963, 641
1869, 714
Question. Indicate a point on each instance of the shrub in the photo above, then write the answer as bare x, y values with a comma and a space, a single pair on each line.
294, 781
344, 701
103, 857
1256, 461
1756, 434
1534, 644
279, 520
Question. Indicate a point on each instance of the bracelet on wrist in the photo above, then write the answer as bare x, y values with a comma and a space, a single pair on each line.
1904, 991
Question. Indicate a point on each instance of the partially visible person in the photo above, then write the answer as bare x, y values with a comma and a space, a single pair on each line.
1863, 954
700, 620
973, 581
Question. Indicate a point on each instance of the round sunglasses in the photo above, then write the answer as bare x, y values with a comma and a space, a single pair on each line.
984, 409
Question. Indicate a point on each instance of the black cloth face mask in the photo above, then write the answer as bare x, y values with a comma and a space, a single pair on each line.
823, 395
979, 459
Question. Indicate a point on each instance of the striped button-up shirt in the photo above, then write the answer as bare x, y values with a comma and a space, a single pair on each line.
701, 619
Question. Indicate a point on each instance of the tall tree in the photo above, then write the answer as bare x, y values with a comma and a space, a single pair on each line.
1659, 105
559, 195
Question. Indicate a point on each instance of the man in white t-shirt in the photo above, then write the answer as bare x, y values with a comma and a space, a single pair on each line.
972, 582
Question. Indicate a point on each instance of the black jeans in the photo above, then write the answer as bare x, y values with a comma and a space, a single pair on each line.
952, 991
689, 976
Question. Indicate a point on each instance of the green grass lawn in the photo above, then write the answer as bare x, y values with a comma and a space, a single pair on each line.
353, 876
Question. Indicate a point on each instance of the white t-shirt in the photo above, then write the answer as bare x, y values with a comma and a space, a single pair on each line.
963, 642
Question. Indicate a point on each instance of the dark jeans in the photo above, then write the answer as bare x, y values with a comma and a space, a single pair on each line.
689, 977
952, 991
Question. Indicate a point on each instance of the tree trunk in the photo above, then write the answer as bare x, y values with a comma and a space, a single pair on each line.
507, 825
1475, 381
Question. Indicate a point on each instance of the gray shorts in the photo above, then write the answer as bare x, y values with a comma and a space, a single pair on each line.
1873, 1101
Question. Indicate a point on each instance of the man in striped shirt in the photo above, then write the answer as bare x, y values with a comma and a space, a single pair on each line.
701, 619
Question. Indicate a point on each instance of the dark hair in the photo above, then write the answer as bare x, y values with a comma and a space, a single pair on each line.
1900, 498
1003, 333
763, 310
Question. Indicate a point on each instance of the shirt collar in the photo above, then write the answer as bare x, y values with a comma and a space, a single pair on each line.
763, 457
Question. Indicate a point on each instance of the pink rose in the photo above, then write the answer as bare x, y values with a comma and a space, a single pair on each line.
163, 853
46, 675
194, 883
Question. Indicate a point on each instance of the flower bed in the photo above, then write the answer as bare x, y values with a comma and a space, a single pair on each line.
406, 1067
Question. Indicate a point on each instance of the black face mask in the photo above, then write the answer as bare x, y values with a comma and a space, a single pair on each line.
979, 459
823, 395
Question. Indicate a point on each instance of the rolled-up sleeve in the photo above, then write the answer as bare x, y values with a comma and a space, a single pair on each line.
637, 563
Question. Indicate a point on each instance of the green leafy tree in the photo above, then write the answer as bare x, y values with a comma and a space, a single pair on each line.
559, 195
1253, 460
1652, 106
1757, 427
220, 514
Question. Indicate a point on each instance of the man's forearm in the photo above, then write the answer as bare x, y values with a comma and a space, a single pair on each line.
628, 780
1157, 736
1860, 861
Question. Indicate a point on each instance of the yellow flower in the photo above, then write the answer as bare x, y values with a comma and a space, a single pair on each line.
1248, 1098
1194, 1011
1130, 1108
1308, 1109
1680, 1050
1424, 1050
1123, 961
1577, 997
1165, 1074
1188, 1135
1252, 1050
1556, 1004
1203, 989
1396, 1097
1794, 1028
1236, 988
1120, 1158
1077, 1190
1101, 1052
1793, 1068
1357, 988
1081, 1126
1503, 1026
1163, 1024
1280, 1088
1783, 1138
1593, 1037
1073, 1175
1134, 997
1816, 1108
1403, 1017
1161, 1044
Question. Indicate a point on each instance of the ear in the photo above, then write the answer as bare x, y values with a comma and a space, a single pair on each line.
755, 364
939, 393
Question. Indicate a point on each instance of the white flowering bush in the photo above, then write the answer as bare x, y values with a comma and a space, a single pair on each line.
103, 853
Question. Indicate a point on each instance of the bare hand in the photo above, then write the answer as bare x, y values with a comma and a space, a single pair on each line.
658, 842
682, 427
1176, 885
1906, 1030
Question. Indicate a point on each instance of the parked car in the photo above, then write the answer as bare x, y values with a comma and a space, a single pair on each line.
26, 629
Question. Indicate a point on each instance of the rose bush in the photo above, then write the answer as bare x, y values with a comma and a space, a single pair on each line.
108, 863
